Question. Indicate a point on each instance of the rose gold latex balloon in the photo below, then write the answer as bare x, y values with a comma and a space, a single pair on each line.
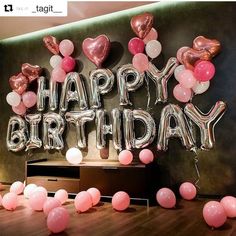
31, 71
51, 44
190, 56
96, 50
211, 45
142, 24
19, 83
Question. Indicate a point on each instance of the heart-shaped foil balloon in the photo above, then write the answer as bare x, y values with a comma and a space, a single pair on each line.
211, 45
96, 50
191, 56
31, 71
51, 44
142, 24
19, 83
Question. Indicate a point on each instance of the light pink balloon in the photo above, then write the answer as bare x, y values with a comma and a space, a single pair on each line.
17, 187
181, 93
136, 45
229, 204
61, 195
125, 157
187, 79
187, 191
37, 200
9, 201
20, 109
166, 198
120, 201
214, 214
68, 64
29, 99
29, 189
50, 204
83, 201
146, 156
42, 189
140, 62
180, 53
95, 194
58, 75
58, 220
66, 47
152, 35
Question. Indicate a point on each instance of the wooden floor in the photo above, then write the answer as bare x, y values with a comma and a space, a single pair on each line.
186, 219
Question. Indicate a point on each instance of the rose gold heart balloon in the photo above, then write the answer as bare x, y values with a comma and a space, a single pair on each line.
96, 50
51, 44
31, 71
142, 24
19, 83
211, 45
190, 56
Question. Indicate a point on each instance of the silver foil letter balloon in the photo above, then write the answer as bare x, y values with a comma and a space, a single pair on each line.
53, 128
160, 78
79, 94
79, 118
16, 134
125, 85
206, 122
116, 129
98, 88
181, 129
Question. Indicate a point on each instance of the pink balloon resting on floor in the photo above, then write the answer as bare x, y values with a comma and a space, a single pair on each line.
29, 189
9, 201
229, 204
17, 187
120, 201
146, 156
50, 204
83, 201
166, 198
125, 157
187, 191
37, 200
95, 194
61, 195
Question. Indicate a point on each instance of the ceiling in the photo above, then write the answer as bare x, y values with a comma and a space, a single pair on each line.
12, 26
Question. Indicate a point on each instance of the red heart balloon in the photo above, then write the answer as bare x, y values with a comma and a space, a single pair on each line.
31, 71
96, 50
142, 24
51, 44
19, 83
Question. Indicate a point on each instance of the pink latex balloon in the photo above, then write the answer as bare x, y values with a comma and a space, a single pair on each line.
37, 200
95, 194
58, 75
187, 191
180, 53
181, 93
140, 62
50, 204
187, 79
68, 64
29, 99
58, 220
29, 189
9, 201
66, 47
125, 157
229, 204
20, 109
214, 214
42, 189
166, 198
204, 71
61, 195
146, 156
136, 45
83, 201
17, 187
120, 201
152, 35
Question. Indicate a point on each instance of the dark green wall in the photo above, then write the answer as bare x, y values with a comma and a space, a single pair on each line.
177, 24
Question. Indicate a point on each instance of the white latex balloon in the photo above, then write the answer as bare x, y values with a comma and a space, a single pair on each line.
178, 69
13, 99
153, 48
74, 156
201, 87
29, 189
55, 61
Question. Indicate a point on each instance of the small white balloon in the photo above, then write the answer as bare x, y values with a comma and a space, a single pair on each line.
177, 71
153, 48
74, 156
29, 189
201, 87
55, 61
13, 99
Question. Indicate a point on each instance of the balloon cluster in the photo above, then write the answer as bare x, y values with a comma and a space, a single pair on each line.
197, 70
20, 99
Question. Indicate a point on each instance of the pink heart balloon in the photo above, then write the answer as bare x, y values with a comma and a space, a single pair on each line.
19, 83
96, 50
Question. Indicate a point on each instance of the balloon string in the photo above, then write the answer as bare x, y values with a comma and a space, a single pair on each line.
148, 92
